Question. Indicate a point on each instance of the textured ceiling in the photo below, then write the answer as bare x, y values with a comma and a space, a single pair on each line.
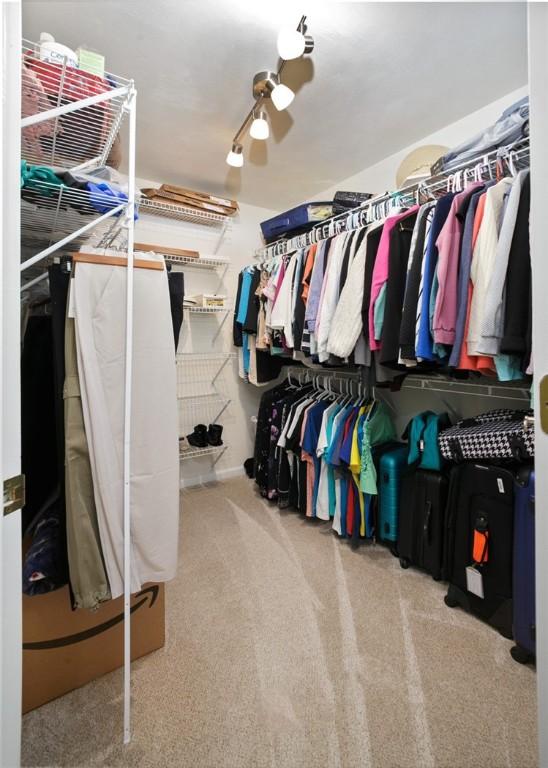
382, 75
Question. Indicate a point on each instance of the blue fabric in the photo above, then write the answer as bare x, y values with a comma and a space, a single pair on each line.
346, 447
424, 347
244, 296
369, 521
508, 367
331, 489
333, 451
344, 500
104, 198
245, 352
310, 442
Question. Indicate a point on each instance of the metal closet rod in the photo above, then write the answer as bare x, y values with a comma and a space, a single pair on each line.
258, 102
424, 383
517, 151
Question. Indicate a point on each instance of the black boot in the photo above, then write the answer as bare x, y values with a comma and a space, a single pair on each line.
214, 434
198, 438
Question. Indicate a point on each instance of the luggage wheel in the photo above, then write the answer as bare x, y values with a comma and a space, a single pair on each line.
520, 655
394, 551
450, 601
404, 562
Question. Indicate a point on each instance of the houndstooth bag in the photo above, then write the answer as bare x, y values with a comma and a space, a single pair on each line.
496, 435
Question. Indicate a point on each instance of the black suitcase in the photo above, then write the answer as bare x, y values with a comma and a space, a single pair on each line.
481, 499
421, 532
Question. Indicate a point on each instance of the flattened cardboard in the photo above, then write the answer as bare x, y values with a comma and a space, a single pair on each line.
168, 250
161, 195
200, 196
65, 649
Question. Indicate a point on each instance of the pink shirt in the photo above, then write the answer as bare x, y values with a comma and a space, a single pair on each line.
380, 270
448, 245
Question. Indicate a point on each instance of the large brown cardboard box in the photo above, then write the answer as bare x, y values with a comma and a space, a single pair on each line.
64, 649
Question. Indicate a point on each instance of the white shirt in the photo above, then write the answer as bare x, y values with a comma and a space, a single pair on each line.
483, 260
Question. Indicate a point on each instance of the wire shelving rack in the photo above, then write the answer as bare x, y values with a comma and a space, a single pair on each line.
70, 118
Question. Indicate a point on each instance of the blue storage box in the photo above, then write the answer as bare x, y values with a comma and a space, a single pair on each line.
302, 217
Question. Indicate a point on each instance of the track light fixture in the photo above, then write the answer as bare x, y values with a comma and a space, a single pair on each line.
267, 85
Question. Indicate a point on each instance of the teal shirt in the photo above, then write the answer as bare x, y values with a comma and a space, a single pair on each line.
377, 429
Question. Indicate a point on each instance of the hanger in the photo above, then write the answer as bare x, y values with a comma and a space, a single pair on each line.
116, 261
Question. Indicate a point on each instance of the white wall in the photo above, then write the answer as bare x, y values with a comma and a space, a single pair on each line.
237, 247
381, 177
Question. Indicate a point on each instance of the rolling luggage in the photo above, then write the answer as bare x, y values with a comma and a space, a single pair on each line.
496, 435
392, 467
421, 531
377, 451
298, 219
524, 567
479, 542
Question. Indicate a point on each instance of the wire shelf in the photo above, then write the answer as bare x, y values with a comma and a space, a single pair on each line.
207, 310
197, 375
193, 453
50, 213
204, 356
183, 213
80, 135
201, 263
200, 410
378, 207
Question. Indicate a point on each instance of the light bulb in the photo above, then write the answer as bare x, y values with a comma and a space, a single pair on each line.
291, 43
259, 127
235, 157
282, 96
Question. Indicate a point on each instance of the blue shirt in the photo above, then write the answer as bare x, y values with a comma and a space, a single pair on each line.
310, 442
425, 343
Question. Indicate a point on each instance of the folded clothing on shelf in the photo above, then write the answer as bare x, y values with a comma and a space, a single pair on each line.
511, 126
44, 187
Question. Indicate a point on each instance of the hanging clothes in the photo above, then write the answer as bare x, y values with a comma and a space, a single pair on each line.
313, 453
421, 290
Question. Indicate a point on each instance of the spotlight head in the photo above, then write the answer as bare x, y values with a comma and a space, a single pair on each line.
259, 127
235, 157
267, 84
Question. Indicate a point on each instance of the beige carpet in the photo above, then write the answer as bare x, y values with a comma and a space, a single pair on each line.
286, 648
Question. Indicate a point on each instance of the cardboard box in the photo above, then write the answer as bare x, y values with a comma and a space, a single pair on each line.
65, 649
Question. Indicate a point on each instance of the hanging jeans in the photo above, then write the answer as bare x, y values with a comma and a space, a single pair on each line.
99, 307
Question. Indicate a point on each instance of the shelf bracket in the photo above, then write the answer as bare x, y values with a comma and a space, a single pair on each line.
219, 327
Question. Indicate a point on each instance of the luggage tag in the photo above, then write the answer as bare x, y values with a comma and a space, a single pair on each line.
474, 581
